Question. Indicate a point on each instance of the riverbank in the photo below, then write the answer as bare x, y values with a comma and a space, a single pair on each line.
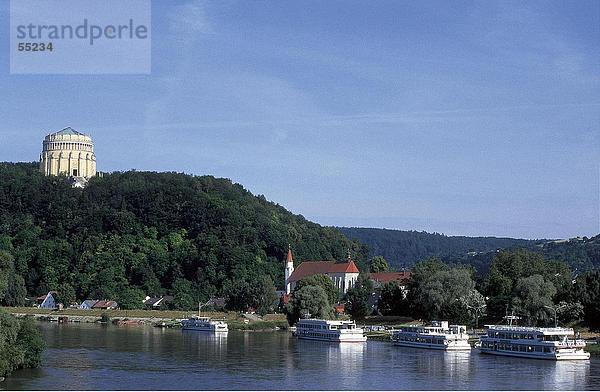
236, 321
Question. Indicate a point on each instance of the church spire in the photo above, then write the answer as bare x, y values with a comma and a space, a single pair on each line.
290, 257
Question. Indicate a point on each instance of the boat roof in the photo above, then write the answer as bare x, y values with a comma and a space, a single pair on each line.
539, 330
328, 322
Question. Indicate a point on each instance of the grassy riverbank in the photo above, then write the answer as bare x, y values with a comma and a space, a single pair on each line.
236, 321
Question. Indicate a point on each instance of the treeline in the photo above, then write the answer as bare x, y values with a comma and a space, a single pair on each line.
132, 234
403, 249
519, 282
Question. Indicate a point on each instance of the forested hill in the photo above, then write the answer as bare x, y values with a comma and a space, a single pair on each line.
408, 247
404, 248
130, 234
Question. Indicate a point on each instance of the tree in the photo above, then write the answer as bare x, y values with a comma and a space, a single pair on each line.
378, 264
16, 291
569, 311
357, 298
533, 298
21, 344
325, 283
6, 268
436, 291
183, 292
130, 298
309, 301
587, 290
264, 295
30, 342
259, 293
510, 266
392, 300
475, 304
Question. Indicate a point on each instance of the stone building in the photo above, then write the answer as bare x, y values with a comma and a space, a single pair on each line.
68, 152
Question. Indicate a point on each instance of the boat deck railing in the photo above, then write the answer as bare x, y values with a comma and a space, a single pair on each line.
531, 329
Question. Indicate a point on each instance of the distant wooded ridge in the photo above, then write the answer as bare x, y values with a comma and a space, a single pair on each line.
402, 249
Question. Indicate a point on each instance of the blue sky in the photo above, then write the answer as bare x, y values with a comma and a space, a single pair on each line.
474, 118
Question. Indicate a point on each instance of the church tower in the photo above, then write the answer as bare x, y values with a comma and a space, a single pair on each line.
289, 269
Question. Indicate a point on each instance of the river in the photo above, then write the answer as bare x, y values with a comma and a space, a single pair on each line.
92, 357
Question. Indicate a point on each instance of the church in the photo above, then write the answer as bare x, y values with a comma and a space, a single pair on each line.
344, 275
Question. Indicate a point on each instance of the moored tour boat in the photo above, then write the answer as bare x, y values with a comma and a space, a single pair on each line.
198, 323
439, 335
329, 330
532, 342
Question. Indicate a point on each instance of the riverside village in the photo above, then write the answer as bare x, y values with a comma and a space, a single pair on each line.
332, 301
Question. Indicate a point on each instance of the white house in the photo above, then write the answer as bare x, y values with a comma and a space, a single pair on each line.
88, 304
47, 301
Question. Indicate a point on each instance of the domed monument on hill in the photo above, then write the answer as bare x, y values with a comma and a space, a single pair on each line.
70, 153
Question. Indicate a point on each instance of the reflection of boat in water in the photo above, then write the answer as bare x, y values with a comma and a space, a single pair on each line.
439, 335
532, 342
197, 323
329, 330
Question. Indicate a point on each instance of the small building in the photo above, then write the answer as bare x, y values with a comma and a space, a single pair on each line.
105, 305
88, 304
158, 302
381, 278
47, 301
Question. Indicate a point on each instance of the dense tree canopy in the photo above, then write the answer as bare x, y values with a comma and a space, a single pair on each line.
392, 300
133, 233
437, 291
357, 298
378, 264
21, 344
504, 283
309, 302
325, 283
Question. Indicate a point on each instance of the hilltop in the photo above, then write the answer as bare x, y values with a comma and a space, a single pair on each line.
129, 234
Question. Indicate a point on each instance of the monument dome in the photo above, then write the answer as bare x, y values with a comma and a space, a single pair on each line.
68, 152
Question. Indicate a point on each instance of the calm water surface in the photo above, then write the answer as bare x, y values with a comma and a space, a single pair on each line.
88, 357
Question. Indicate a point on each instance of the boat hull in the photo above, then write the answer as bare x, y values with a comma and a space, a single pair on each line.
204, 329
534, 355
357, 339
433, 346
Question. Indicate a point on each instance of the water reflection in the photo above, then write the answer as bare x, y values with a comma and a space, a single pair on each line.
91, 357
346, 359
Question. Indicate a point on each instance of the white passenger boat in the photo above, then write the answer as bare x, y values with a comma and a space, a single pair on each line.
329, 330
198, 323
439, 335
532, 342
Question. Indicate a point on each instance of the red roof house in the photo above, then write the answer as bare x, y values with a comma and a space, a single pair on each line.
402, 277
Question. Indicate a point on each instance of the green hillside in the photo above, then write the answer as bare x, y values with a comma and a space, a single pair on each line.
405, 248
129, 234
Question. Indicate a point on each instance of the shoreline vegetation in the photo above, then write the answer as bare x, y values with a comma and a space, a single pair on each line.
21, 344
235, 320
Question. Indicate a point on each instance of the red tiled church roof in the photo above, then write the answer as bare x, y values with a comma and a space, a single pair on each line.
309, 268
